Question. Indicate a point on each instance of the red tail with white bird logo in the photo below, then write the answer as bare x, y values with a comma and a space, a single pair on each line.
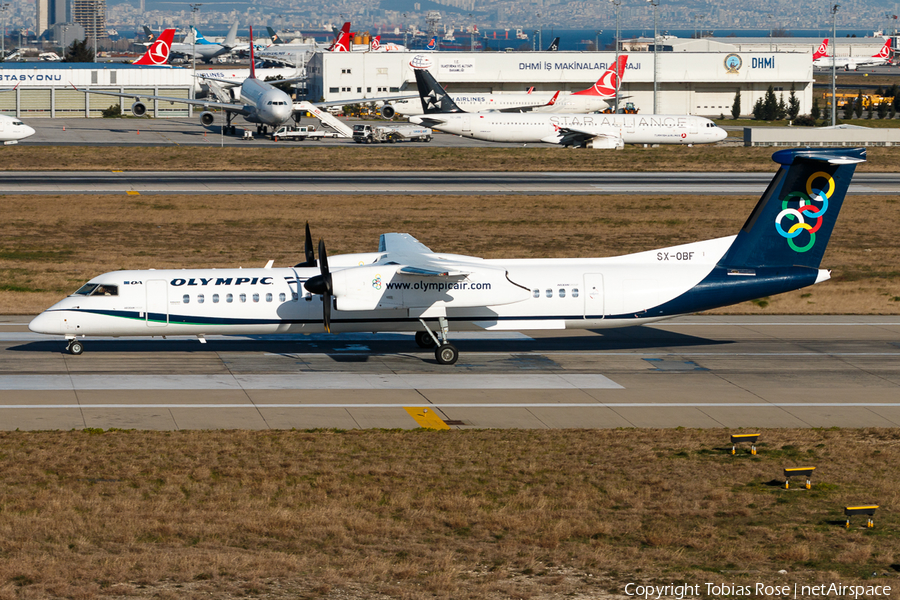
158, 52
609, 81
822, 50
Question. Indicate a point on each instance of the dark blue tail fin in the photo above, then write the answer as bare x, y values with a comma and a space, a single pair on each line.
793, 220
433, 95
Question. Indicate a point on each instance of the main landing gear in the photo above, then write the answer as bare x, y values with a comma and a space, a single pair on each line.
75, 347
445, 353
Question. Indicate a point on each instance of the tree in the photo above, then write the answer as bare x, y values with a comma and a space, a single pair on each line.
736, 105
858, 105
793, 104
79, 52
882, 109
826, 114
770, 105
815, 112
848, 109
781, 109
758, 110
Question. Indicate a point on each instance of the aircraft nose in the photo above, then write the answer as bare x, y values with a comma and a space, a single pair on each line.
721, 134
29, 131
47, 323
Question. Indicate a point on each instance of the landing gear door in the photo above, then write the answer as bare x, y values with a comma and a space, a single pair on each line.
593, 296
157, 303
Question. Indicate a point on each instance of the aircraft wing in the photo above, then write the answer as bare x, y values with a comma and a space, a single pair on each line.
359, 100
228, 106
576, 136
415, 258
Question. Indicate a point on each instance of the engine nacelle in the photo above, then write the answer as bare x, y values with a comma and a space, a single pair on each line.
207, 117
139, 109
388, 111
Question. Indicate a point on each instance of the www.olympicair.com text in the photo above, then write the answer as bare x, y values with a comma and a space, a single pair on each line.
796, 590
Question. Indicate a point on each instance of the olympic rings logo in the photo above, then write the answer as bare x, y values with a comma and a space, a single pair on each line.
376, 283
808, 216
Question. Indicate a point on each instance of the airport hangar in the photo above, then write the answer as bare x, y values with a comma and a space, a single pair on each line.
698, 83
45, 89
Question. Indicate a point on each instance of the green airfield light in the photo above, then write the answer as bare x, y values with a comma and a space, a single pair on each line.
744, 437
861, 510
798, 472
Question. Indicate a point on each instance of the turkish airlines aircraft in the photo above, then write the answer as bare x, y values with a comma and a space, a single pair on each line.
850, 63
158, 52
260, 102
586, 131
406, 286
592, 99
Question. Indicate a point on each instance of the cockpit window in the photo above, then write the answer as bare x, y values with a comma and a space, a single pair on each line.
98, 289
86, 289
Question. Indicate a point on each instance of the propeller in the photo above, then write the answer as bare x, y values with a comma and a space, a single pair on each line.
322, 285
310, 255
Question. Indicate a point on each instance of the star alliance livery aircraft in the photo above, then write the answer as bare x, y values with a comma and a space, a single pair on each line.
405, 286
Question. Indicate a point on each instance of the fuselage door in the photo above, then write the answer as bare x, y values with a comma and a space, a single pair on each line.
593, 296
157, 303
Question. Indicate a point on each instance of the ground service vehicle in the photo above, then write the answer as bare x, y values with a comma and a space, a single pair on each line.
628, 109
302, 132
391, 133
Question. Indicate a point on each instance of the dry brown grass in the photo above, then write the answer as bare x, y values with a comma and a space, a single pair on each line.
462, 514
406, 158
50, 245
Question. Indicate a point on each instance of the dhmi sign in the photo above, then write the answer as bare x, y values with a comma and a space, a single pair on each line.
762, 62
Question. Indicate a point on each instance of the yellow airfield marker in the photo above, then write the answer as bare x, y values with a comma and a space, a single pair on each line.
133, 193
117, 171
426, 417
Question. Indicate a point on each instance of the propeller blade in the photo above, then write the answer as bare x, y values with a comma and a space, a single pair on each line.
323, 261
310, 254
322, 284
326, 311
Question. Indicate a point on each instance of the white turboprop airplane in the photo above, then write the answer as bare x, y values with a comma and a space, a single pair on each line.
12, 130
588, 131
405, 286
851, 63
592, 99
260, 102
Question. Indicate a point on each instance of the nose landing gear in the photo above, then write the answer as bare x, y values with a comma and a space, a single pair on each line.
75, 347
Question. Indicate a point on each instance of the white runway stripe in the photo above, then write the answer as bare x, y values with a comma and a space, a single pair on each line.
306, 381
610, 405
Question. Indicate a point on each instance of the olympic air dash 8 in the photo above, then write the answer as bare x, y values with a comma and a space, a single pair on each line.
406, 286
586, 131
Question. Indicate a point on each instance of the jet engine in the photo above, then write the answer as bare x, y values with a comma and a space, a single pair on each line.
207, 117
139, 109
387, 111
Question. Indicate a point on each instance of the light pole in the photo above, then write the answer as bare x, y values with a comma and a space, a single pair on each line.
95, 30
194, 9
655, 4
617, 4
3, 7
834, 11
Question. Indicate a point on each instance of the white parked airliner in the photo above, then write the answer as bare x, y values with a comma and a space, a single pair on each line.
592, 99
405, 286
851, 63
12, 129
589, 131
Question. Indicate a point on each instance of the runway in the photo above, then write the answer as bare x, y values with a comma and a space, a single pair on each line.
695, 371
385, 182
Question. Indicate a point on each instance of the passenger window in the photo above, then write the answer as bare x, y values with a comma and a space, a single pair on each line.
268, 297
574, 292
256, 297
243, 297
215, 298
186, 299
282, 297
229, 298
537, 293
549, 293
200, 298
295, 296
562, 292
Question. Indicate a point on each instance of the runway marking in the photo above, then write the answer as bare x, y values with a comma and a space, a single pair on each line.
308, 381
610, 405
425, 418
133, 193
